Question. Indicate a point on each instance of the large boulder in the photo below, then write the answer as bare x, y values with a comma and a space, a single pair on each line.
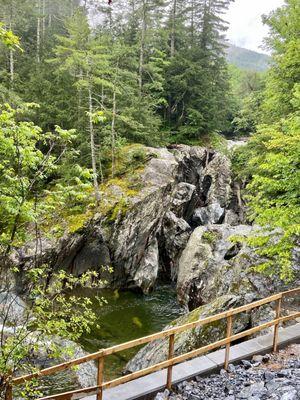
147, 272
207, 255
215, 273
82, 376
216, 261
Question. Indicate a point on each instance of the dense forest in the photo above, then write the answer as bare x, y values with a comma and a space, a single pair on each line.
152, 73
85, 85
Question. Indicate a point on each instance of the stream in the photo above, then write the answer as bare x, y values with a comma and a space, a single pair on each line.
127, 316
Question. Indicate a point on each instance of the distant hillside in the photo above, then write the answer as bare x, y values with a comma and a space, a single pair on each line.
247, 59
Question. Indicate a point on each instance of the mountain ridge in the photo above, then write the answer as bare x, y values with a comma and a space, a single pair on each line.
247, 59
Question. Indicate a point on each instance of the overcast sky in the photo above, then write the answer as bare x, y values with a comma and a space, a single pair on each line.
246, 29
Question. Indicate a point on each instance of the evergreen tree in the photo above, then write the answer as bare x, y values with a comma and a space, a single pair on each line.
197, 79
86, 60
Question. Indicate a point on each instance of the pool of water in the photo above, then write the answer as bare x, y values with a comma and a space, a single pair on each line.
127, 316
124, 316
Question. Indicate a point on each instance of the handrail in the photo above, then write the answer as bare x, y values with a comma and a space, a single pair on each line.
169, 333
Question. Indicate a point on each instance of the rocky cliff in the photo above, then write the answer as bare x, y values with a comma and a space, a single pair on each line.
180, 189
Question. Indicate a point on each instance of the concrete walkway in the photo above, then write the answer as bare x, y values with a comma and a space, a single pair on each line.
204, 365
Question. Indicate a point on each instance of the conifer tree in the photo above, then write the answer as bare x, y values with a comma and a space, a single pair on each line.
197, 81
87, 62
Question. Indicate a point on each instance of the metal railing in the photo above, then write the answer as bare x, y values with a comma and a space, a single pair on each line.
172, 360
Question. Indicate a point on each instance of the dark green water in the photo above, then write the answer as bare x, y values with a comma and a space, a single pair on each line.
124, 317
127, 316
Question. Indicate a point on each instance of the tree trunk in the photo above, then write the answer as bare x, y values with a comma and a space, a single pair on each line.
79, 103
44, 19
113, 133
142, 47
38, 33
11, 59
11, 66
72, 8
110, 16
50, 20
8, 392
174, 12
100, 167
93, 152
172, 53
11, 52
192, 22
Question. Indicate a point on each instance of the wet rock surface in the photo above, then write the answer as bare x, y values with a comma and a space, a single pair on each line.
275, 377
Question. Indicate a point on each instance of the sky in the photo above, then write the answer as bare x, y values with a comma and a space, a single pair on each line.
246, 28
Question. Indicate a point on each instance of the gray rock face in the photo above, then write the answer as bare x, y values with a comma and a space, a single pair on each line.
207, 264
147, 272
12, 309
218, 171
214, 274
216, 261
177, 182
175, 232
212, 214
148, 239
84, 375
178, 227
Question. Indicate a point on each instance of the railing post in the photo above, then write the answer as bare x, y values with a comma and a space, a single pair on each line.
100, 377
276, 326
228, 334
170, 356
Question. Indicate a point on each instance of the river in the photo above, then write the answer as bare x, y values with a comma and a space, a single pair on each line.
127, 316
124, 316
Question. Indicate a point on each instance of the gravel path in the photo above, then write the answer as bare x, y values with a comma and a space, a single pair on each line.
275, 377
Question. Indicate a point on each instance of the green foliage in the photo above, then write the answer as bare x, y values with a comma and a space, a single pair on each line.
24, 168
271, 160
129, 158
284, 40
249, 115
210, 237
144, 85
37, 184
68, 203
118, 191
247, 90
9, 39
51, 313
197, 81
